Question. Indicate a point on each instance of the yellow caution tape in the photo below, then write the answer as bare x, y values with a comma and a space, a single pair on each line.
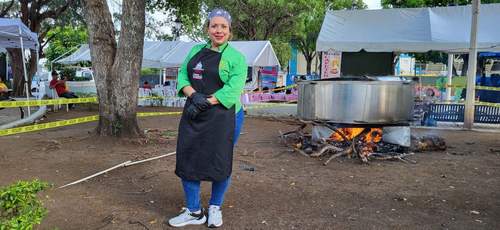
455, 86
488, 88
157, 97
59, 101
445, 86
260, 106
55, 124
49, 125
277, 89
150, 114
10, 104
422, 75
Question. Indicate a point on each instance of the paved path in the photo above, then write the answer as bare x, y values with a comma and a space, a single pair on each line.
8, 115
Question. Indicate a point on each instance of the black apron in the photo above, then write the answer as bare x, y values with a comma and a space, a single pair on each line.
205, 145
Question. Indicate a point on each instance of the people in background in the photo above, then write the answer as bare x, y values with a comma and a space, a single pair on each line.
60, 86
4, 91
146, 85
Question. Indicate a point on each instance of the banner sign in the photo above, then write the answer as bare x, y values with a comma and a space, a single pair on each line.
331, 64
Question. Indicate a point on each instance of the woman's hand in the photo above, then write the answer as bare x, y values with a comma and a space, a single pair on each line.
213, 100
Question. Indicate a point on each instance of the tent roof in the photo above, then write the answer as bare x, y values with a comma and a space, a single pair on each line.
444, 29
10, 31
162, 54
81, 54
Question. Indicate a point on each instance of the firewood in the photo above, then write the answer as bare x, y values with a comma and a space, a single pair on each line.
324, 150
390, 156
348, 151
334, 156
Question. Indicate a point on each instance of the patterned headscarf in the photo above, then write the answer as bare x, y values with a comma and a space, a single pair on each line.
219, 12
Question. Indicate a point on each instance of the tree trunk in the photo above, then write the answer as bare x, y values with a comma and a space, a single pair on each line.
17, 71
117, 69
308, 65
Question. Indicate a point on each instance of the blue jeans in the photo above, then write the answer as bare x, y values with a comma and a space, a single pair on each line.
219, 188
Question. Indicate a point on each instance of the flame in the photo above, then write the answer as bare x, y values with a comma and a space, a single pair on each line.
374, 135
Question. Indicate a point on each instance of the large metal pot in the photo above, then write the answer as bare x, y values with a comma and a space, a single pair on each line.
356, 101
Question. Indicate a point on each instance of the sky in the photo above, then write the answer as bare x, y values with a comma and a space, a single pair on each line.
373, 4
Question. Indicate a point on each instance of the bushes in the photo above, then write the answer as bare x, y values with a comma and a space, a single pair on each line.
69, 73
19, 205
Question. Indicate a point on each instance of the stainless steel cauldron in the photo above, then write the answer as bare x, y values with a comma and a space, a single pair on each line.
356, 101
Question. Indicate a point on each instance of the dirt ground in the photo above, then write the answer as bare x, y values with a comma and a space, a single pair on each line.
273, 188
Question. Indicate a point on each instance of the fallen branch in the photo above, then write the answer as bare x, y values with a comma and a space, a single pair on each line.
380, 156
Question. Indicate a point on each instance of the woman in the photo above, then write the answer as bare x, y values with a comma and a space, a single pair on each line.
212, 77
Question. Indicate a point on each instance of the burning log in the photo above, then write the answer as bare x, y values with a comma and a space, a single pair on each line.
362, 143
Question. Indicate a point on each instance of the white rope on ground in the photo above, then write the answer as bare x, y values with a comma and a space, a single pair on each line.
96, 174
124, 164
149, 159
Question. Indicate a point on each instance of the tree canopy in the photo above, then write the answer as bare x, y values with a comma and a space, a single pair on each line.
309, 25
63, 40
272, 20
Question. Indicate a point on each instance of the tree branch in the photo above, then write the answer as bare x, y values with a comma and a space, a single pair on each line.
6, 9
47, 40
56, 12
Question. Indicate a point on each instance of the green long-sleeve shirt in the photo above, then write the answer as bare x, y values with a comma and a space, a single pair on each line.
232, 72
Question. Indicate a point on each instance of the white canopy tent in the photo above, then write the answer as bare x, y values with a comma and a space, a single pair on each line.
167, 54
444, 29
171, 54
15, 34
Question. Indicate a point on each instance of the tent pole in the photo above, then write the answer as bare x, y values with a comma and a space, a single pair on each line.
37, 60
26, 88
450, 73
471, 75
160, 77
7, 66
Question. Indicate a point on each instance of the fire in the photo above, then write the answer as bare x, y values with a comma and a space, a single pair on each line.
374, 135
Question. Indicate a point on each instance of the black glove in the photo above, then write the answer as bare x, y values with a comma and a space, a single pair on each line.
200, 101
192, 112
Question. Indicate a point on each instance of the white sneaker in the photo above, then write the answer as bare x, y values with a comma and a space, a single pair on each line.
186, 218
214, 216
